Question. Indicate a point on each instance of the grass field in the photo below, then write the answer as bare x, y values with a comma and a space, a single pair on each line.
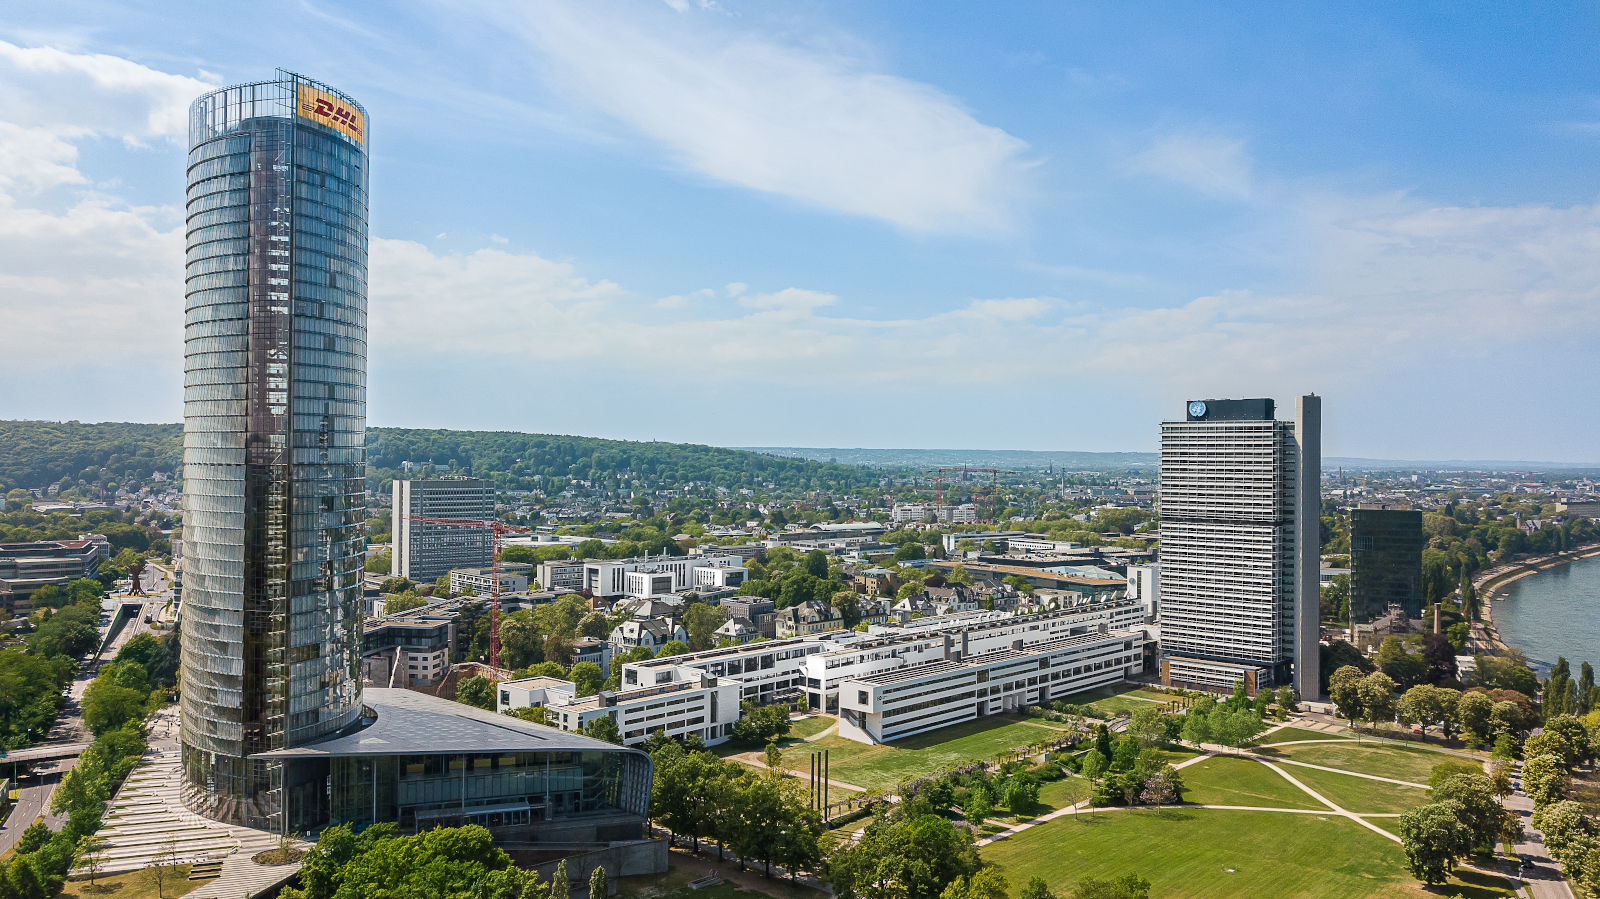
1228, 781
1355, 794
1204, 854
810, 727
1059, 794
1107, 701
1384, 760
131, 886
883, 766
1289, 734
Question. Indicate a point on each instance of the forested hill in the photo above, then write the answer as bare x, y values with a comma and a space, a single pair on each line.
34, 454
515, 459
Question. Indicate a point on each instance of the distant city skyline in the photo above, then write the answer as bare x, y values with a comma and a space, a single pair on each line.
861, 224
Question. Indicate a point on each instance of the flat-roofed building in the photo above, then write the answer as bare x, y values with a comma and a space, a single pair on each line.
879, 708
426, 551
513, 578
689, 702
1240, 514
27, 566
1385, 563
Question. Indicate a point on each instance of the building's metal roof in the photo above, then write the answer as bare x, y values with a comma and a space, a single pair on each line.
412, 723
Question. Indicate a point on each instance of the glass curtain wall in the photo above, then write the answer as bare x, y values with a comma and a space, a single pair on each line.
274, 434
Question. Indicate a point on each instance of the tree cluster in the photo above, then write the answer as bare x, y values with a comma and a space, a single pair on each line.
1122, 772
446, 863
1571, 835
762, 816
789, 578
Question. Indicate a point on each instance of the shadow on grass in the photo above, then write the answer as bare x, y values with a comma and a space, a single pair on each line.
1473, 885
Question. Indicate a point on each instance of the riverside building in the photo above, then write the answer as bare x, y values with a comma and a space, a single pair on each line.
1240, 560
1385, 562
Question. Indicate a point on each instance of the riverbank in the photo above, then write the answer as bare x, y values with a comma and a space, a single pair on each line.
1491, 583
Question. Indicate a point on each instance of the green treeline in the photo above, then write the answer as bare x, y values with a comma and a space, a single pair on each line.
35, 454
514, 460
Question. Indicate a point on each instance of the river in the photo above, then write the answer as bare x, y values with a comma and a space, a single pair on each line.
1555, 612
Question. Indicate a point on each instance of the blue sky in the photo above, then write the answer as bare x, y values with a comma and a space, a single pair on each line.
1030, 226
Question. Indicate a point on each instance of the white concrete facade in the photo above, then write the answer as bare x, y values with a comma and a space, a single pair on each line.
883, 707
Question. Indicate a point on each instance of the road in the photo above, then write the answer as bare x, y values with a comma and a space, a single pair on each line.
1543, 876
37, 786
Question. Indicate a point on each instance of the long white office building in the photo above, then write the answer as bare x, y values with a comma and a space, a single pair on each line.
1240, 555
817, 669
878, 708
654, 575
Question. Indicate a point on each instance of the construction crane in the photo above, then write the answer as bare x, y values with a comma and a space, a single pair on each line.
988, 490
498, 529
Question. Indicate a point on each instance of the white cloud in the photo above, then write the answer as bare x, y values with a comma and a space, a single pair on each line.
736, 288
781, 118
1212, 165
86, 280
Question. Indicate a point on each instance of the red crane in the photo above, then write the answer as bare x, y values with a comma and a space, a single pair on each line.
497, 528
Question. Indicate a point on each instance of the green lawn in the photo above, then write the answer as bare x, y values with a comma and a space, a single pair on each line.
1059, 794
1289, 734
1188, 854
1230, 781
812, 726
883, 766
1355, 794
1383, 760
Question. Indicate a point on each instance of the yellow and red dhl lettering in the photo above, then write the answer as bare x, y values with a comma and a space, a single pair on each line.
323, 107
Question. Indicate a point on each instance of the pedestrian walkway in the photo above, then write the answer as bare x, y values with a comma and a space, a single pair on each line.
147, 824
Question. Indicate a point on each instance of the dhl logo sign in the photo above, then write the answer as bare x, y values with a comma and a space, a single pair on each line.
323, 107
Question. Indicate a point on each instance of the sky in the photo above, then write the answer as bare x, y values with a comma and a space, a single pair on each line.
1026, 226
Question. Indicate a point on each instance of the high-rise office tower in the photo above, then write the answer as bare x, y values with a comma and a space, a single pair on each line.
1240, 546
426, 551
275, 359
1385, 562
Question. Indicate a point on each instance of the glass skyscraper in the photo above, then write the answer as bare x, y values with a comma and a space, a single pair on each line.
1385, 562
275, 350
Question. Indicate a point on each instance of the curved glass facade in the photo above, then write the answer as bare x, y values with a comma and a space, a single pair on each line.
275, 350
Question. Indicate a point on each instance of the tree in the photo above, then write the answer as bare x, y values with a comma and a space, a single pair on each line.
1544, 779
977, 808
1148, 727
476, 691
1377, 697
1128, 886
561, 882
534, 714
595, 626
1036, 888
558, 649
163, 875
1552, 743
1160, 789
586, 678
1483, 817
702, 621
1433, 838
1472, 713
91, 856
909, 859
987, 883
773, 756
404, 602
1021, 793
603, 728
1095, 764
672, 648
1344, 688
597, 882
